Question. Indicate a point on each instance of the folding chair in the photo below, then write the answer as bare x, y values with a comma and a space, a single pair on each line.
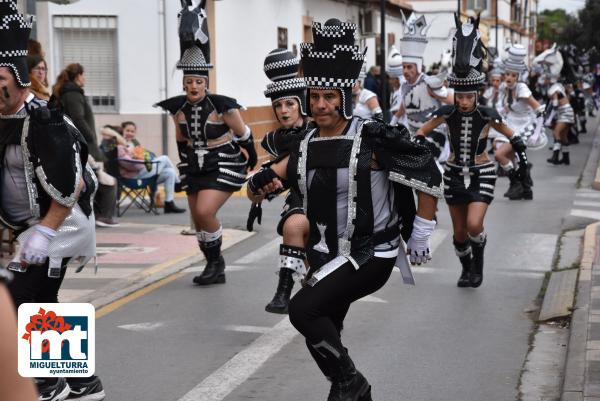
132, 191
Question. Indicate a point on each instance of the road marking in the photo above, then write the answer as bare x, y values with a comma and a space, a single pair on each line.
148, 326
268, 249
238, 369
438, 236
248, 329
590, 214
371, 298
587, 195
586, 203
105, 310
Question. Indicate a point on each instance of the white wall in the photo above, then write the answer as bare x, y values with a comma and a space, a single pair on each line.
140, 47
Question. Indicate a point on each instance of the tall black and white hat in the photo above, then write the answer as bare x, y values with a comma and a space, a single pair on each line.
333, 61
193, 40
14, 34
515, 58
467, 57
414, 41
281, 67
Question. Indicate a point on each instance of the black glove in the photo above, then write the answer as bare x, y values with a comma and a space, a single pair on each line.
254, 214
260, 179
248, 146
517, 144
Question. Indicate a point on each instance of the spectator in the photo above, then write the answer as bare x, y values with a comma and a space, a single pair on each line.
35, 48
68, 91
105, 202
38, 75
372, 82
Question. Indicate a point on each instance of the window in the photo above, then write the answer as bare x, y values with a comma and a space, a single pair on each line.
92, 42
477, 5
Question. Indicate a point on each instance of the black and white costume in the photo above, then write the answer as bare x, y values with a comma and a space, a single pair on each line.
418, 103
43, 160
281, 67
355, 207
210, 154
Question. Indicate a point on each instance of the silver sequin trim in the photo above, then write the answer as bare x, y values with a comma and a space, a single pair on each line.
438, 192
29, 171
302, 184
67, 201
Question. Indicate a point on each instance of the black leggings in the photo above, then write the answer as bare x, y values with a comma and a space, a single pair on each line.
35, 286
318, 312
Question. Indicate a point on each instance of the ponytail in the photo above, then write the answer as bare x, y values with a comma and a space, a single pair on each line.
67, 75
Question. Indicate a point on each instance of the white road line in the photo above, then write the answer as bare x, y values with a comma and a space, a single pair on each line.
588, 194
269, 249
586, 203
239, 368
438, 236
590, 214
147, 326
371, 298
248, 329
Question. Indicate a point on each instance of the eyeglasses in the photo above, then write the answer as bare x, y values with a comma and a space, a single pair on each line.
41, 69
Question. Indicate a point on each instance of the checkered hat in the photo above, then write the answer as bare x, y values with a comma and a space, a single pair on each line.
281, 67
333, 61
467, 57
193, 62
14, 34
194, 45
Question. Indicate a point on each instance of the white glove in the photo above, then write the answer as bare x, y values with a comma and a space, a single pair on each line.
35, 249
394, 120
418, 244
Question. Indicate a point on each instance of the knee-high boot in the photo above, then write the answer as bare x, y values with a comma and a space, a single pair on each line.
291, 265
463, 251
347, 383
478, 245
214, 272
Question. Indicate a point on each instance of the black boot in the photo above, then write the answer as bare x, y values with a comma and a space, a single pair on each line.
214, 272
478, 245
347, 383
565, 159
291, 261
171, 207
554, 158
526, 184
281, 299
514, 189
463, 251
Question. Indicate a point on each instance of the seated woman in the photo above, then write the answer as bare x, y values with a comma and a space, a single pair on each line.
129, 150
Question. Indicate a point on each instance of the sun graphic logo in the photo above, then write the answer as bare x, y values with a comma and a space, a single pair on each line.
56, 340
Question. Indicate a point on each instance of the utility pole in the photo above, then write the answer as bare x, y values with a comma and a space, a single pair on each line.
383, 75
496, 14
458, 7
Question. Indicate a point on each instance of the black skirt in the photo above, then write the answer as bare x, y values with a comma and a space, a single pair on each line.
480, 189
228, 174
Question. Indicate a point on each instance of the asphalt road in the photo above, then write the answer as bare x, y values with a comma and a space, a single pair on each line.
431, 342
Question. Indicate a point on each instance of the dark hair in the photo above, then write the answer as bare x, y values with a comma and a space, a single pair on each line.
126, 123
34, 48
67, 75
114, 128
32, 61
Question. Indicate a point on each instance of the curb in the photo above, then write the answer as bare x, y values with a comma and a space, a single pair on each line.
591, 171
122, 288
575, 366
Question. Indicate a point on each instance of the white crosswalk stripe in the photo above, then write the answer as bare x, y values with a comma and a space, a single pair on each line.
586, 204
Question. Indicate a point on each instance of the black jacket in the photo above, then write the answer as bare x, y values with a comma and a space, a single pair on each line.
76, 107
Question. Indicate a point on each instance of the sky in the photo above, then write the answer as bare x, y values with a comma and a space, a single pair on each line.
569, 5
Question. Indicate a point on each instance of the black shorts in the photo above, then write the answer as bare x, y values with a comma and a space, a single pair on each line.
293, 205
228, 175
480, 189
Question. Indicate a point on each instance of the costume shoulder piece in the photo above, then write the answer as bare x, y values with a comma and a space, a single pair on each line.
59, 152
409, 163
172, 104
224, 104
490, 113
444, 111
523, 91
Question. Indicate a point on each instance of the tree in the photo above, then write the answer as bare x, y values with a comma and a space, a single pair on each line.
588, 19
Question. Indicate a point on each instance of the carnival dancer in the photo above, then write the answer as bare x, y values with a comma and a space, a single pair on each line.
365, 102
469, 176
525, 116
422, 94
395, 80
564, 119
210, 133
46, 191
288, 97
354, 178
